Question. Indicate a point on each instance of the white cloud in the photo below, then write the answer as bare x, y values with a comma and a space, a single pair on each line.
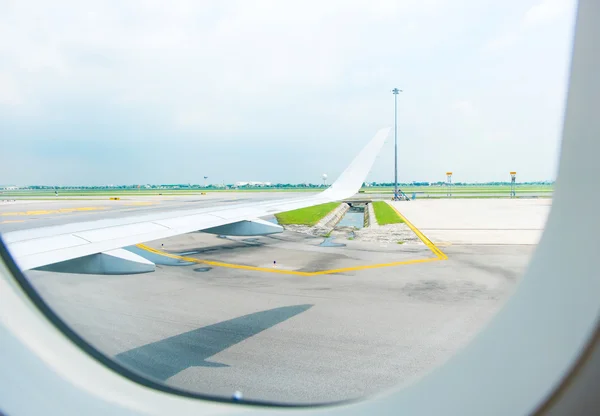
503, 41
150, 52
535, 17
294, 75
547, 11
206, 119
497, 136
465, 108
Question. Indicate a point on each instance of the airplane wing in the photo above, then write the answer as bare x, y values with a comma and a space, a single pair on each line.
38, 247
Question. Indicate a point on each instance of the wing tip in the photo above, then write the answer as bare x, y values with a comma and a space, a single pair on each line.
355, 174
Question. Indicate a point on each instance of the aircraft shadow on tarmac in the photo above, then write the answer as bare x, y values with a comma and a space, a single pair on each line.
164, 359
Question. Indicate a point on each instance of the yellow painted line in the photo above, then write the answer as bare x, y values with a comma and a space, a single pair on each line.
439, 254
50, 211
220, 264
11, 221
281, 271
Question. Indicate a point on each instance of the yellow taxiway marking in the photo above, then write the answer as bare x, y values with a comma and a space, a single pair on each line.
281, 271
11, 221
439, 255
50, 211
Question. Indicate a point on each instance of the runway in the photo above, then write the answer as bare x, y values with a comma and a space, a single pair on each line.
25, 214
306, 337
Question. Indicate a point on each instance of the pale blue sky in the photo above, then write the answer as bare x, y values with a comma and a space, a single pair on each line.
167, 92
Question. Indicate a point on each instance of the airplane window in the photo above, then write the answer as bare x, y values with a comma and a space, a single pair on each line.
288, 203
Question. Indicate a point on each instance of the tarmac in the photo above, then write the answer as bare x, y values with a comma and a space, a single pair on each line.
479, 221
24, 214
283, 319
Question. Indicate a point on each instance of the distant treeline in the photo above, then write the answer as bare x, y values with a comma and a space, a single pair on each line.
441, 183
273, 186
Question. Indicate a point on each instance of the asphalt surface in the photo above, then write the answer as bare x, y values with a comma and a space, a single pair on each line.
25, 214
298, 338
288, 338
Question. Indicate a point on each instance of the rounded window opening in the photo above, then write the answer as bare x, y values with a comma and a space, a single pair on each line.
201, 156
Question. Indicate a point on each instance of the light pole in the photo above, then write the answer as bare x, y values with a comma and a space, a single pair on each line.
396, 91
513, 178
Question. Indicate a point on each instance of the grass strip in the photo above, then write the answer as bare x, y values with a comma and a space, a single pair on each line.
385, 214
306, 216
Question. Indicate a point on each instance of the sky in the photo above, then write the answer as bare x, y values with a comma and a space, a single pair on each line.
136, 91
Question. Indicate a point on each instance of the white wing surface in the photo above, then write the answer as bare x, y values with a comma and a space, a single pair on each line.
48, 245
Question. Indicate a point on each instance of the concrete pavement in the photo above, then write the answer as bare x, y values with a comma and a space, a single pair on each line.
478, 221
240, 323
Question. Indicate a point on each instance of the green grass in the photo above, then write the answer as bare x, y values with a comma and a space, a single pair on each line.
432, 190
385, 214
306, 216
145, 192
463, 189
454, 196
